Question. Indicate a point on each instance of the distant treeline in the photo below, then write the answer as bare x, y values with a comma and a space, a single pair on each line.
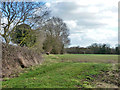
94, 49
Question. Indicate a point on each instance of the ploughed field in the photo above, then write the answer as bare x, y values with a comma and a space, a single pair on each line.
69, 71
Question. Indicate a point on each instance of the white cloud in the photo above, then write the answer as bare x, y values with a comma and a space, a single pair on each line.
89, 21
99, 36
48, 4
71, 23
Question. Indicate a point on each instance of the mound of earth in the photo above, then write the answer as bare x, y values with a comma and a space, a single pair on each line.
14, 58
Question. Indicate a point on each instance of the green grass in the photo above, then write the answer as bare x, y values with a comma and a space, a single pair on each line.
63, 71
90, 58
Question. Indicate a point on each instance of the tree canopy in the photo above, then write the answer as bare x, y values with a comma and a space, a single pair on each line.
56, 33
29, 24
17, 13
23, 35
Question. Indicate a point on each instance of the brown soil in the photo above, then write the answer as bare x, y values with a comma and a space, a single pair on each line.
109, 79
15, 58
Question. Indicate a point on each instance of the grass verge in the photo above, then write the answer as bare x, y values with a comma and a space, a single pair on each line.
60, 71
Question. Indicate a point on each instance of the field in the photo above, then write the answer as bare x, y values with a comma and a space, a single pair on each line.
69, 71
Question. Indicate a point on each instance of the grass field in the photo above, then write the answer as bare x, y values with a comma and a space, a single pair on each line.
68, 71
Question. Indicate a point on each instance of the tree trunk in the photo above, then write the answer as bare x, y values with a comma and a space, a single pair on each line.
7, 40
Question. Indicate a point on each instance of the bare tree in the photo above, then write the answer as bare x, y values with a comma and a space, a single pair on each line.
17, 13
56, 33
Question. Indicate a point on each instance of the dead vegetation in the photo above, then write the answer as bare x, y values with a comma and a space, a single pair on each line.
14, 58
109, 79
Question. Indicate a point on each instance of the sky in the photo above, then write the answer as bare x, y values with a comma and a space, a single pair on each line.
89, 21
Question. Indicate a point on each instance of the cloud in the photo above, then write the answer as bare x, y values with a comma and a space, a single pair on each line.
88, 21
94, 21
99, 36
48, 4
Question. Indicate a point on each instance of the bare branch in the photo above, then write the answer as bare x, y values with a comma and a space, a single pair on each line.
17, 12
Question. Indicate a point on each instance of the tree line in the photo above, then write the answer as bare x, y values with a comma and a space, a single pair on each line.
30, 24
94, 49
